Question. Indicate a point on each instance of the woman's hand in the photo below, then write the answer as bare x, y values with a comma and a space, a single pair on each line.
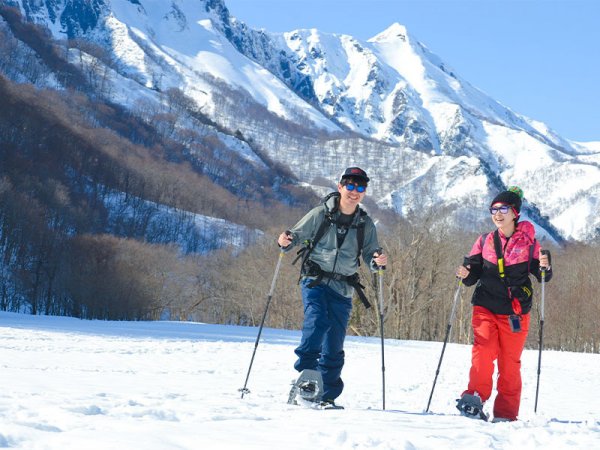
544, 260
462, 272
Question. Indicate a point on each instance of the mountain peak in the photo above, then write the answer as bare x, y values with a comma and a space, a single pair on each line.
394, 32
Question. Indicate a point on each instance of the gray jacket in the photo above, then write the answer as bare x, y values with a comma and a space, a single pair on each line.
326, 254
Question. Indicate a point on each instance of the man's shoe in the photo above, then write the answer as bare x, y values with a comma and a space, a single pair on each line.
329, 404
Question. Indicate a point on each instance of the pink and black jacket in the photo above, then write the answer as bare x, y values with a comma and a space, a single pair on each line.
520, 253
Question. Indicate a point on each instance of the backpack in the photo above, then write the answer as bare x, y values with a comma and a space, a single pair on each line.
329, 219
309, 246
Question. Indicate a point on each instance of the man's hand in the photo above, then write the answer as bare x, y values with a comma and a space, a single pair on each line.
380, 258
285, 239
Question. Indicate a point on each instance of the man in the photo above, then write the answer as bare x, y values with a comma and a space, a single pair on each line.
329, 276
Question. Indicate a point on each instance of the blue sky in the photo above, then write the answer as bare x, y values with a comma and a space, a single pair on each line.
541, 58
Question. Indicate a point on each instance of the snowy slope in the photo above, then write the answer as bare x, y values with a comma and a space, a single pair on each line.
173, 44
593, 147
73, 384
197, 233
353, 86
190, 43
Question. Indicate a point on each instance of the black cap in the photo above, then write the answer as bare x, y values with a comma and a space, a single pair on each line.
355, 172
512, 196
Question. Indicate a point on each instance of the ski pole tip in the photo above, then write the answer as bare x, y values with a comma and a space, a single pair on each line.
244, 391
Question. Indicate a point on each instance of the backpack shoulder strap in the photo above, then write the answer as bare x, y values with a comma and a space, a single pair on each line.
327, 218
360, 232
482, 240
531, 250
321, 230
499, 254
305, 252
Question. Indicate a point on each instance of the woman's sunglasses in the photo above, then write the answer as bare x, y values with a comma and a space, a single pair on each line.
359, 187
503, 209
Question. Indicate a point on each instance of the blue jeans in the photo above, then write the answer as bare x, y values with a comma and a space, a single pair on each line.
326, 315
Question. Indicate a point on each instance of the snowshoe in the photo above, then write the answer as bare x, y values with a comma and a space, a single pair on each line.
307, 388
471, 406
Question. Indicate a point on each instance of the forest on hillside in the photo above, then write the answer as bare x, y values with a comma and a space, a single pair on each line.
419, 287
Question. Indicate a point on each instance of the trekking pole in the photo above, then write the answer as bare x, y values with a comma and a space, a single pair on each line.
245, 390
537, 388
448, 327
380, 270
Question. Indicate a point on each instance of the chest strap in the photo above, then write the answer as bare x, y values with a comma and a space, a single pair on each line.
314, 270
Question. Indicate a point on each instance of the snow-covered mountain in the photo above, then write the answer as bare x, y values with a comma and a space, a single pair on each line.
389, 104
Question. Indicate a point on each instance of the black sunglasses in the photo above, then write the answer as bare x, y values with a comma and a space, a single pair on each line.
359, 187
503, 209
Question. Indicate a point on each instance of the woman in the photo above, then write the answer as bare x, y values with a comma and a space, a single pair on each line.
500, 263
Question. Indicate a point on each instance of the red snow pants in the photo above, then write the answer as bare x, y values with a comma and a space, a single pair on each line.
494, 340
